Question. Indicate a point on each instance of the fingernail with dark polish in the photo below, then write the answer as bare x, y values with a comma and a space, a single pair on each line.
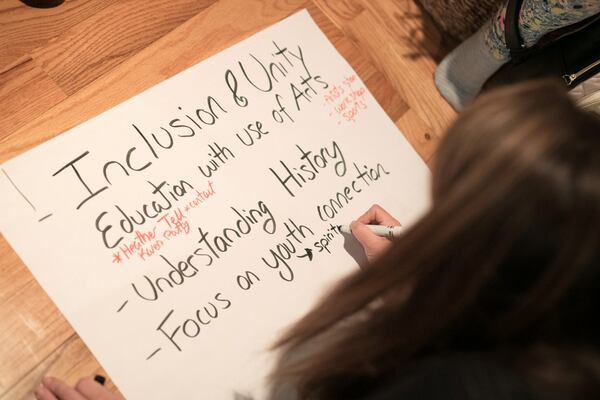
100, 379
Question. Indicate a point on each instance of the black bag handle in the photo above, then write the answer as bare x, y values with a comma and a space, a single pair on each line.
514, 41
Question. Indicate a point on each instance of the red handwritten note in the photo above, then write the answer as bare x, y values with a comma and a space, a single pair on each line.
346, 100
141, 245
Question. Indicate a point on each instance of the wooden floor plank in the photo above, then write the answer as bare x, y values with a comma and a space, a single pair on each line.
71, 361
32, 329
408, 25
340, 12
95, 46
26, 92
418, 134
25, 28
160, 60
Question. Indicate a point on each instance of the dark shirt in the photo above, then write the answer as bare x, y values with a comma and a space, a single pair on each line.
453, 378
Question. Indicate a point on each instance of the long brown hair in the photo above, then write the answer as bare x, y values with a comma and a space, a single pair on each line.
506, 258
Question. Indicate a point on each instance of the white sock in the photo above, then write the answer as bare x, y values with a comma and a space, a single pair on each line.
462, 73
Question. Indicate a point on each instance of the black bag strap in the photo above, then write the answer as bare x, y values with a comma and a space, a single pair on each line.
513, 38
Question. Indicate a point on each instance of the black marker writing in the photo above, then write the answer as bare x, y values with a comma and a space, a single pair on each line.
91, 194
294, 178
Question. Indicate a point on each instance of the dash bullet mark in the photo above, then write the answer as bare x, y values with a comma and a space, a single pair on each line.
44, 217
123, 305
18, 190
153, 353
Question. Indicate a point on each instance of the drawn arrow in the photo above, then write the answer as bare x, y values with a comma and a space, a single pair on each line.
309, 254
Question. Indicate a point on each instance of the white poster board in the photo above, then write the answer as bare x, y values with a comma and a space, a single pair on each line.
181, 231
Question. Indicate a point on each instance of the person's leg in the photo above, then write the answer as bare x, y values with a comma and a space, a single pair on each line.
460, 76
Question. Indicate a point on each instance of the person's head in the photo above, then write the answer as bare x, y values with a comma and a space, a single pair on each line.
506, 261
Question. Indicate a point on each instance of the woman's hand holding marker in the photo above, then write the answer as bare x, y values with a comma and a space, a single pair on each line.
373, 244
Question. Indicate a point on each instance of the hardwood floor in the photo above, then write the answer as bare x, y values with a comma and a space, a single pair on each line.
62, 66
